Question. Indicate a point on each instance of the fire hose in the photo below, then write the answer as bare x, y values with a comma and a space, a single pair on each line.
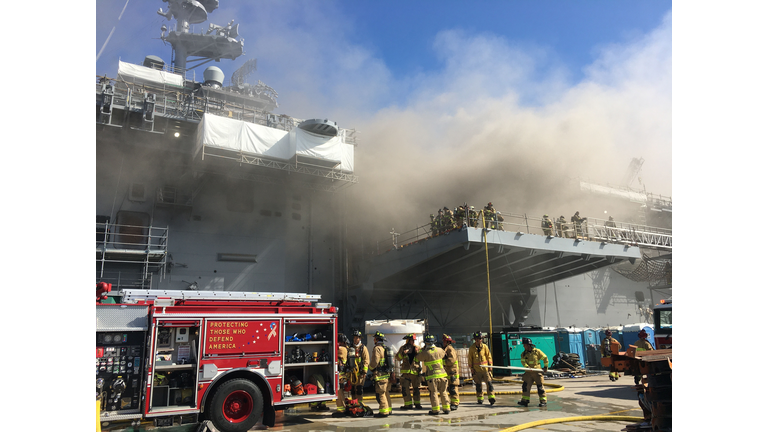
572, 419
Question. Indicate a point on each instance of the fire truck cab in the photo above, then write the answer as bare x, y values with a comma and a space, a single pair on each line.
662, 323
233, 358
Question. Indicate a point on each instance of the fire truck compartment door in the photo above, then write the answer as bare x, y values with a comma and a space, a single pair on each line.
209, 371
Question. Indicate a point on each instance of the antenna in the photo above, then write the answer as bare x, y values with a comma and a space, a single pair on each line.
219, 43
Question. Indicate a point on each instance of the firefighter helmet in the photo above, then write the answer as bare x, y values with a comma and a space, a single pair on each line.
430, 338
357, 333
477, 335
608, 333
448, 338
490, 204
408, 336
342, 339
546, 216
642, 334
379, 336
527, 341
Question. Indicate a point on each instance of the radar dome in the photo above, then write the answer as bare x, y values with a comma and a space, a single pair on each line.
213, 76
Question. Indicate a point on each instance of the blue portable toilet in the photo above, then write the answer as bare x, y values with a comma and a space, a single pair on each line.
630, 332
571, 340
591, 347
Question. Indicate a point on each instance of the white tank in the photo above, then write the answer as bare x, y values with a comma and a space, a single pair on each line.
213, 77
394, 331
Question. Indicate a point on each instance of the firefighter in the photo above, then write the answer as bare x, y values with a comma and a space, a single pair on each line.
610, 226
562, 226
409, 373
433, 224
605, 349
343, 368
480, 355
531, 358
546, 225
360, 367
472, 215
451, 360
489, 214
461, 216
437, 379
577, 222
642, 344
439, 221
449, 223
382, 374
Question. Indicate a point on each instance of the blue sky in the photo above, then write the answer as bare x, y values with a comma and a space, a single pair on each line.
535, 95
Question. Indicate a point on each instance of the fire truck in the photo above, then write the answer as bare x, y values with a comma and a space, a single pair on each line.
662, 324
231, 358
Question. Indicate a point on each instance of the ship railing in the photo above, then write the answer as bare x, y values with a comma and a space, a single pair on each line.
146, 238
129, 254
596, 229
174, 102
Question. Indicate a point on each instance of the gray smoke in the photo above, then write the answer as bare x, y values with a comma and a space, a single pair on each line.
485, 129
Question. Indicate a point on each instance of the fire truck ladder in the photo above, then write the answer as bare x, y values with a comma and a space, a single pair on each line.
135, 295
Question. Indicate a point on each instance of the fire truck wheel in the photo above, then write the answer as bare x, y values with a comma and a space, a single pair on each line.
236, 406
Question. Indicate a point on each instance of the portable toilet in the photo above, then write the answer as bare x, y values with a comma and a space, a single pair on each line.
591, 347
571, 340
630, 332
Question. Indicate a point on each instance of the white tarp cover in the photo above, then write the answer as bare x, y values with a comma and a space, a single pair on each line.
134, 73
236, 135
607, 190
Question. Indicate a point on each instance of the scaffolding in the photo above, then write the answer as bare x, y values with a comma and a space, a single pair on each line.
127, 256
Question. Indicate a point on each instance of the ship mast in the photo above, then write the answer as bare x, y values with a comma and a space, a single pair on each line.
219, 42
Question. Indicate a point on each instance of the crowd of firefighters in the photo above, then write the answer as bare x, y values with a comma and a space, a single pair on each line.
488, 217
439, 367
448, 220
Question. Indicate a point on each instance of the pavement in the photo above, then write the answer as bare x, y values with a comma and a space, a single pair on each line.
593, 395
576, 397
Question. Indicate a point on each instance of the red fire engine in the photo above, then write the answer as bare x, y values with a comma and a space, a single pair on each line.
233, 358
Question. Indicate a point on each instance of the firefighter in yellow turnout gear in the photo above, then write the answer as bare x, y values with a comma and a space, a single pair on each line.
451, 363
531, 358
642, 344
343, 368
437, 379
359, 367
480, 355
409, 373
605, 350
382, 375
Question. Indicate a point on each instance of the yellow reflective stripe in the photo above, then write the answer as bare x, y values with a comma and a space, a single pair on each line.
382, 377
439, 375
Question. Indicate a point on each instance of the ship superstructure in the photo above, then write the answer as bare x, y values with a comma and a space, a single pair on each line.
200, 185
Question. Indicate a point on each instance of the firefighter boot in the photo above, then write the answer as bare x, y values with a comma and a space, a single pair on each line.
542, 403
492, 400
417, 406
524, 401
